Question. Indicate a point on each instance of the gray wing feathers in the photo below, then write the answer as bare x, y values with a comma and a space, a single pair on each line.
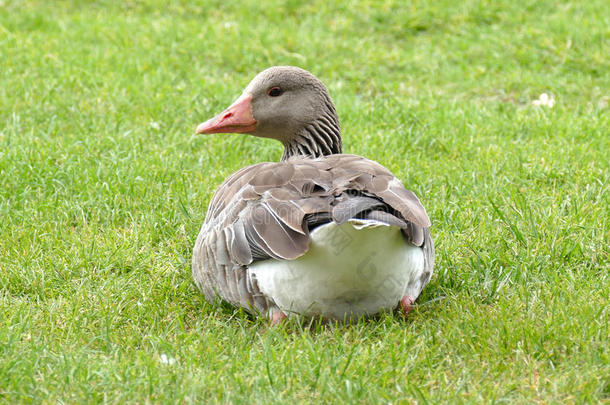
229, 281
270, 236
240, 249
428, 247
406, 202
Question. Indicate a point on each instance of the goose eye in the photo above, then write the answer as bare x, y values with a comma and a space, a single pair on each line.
275, 92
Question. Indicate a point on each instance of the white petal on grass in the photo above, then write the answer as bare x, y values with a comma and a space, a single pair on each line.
544, 100
155, 125
166, 360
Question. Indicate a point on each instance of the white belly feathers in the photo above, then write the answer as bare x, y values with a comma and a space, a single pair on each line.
361, 267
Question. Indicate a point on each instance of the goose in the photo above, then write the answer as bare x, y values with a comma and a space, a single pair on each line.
318, 234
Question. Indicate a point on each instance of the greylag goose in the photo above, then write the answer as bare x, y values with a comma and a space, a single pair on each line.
320, 233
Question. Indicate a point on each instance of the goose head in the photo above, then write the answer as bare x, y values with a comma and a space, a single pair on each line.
285, 103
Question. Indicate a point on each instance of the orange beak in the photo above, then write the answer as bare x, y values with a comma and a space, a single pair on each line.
237, 118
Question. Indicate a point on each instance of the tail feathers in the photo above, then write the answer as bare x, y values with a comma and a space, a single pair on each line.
365, 207
352, 206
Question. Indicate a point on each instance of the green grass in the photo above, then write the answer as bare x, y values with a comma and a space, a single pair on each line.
103, 188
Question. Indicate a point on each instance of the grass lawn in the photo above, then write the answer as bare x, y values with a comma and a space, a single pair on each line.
103, 188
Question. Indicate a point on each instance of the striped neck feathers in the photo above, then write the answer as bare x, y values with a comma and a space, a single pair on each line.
320, 138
